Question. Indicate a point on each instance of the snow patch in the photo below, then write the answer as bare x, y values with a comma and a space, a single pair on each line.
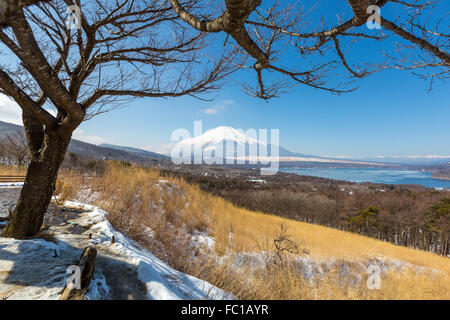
25, 272
161, 281
11, 185
98, 288
37, 269
202, 240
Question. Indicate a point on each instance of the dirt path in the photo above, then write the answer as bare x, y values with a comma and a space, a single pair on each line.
36, 269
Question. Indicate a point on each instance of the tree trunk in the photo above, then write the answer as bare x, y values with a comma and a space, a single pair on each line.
87, 266
7, 7
26, 219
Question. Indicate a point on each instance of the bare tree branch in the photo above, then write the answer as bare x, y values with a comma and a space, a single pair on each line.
288, 27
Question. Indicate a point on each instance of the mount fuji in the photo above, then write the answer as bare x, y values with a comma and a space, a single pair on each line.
215, 142
222, 137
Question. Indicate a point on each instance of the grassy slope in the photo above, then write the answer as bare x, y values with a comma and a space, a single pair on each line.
137, 198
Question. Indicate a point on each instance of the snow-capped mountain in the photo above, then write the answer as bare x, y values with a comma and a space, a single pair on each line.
224, 137
218, 141
219, 136
229, 143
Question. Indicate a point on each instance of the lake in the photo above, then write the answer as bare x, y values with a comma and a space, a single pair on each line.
375, 175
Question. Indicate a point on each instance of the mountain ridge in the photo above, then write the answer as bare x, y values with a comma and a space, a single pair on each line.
213, 138
89, 150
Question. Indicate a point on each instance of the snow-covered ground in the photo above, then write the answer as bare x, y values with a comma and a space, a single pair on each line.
36, 269
312, 268
11, 185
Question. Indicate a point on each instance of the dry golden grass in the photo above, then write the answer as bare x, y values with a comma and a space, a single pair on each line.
137, 199
68, 185
12, 171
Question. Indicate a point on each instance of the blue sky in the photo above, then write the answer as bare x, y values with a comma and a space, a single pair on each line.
391, 114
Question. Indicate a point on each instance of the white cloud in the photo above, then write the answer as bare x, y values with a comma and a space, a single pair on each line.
340, 157
430, 156
218, 108
12, 113
211, 111
80, 134
10, 110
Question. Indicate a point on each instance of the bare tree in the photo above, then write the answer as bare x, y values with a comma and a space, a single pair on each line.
14, 149
266, 33
119, 50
